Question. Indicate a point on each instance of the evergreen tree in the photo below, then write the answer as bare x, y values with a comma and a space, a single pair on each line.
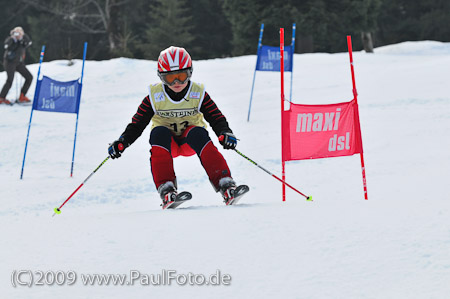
435, 20
245, 19
212, 31
403, 20
216, 28
169, 24
276, 16
312, 26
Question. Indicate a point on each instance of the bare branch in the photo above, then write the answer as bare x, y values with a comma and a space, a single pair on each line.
119, 3
17, 12
89, 16
101, 12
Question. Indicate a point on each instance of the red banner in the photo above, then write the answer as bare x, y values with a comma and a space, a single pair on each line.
321, 131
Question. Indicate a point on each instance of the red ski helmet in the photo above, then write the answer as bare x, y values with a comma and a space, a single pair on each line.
174, 59
174, 64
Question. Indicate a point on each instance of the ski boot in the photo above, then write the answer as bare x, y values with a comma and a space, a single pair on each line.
167, 192
230, 192
5, 101
170, 197
23, 99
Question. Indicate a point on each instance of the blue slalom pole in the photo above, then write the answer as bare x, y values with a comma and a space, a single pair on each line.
78, 110
36, 94
254, 74
84, 59
292, 58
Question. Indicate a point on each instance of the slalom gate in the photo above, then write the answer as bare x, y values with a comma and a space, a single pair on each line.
56, 96
320, 131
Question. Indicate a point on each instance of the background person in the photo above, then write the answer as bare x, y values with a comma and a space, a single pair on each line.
14, 61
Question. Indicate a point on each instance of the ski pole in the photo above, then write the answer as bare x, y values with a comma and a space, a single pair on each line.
17, 87
308, 198
58, 210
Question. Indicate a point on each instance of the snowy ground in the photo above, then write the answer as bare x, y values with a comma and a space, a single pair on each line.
395, 245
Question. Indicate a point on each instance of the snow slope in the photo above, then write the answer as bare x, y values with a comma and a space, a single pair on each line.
395, 245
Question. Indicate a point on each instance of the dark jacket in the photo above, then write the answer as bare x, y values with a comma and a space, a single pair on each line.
15, 50
143, 116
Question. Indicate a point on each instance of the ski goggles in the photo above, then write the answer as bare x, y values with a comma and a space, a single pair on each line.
170, 78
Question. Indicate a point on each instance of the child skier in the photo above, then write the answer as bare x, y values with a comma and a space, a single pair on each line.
177, 108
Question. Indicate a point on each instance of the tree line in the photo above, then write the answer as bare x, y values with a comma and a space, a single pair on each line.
217, 28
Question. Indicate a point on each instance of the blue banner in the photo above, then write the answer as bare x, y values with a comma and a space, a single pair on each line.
269, 59
56, 96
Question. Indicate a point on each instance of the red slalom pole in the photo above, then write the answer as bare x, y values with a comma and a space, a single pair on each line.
308, 198
283, 163
58, 210
355, 94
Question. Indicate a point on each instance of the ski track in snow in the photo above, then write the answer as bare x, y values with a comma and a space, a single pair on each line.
395, 245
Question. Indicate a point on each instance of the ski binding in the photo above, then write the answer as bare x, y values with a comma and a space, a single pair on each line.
179, 199
236, 195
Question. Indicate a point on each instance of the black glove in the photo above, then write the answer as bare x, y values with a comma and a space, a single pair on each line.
117, 147
228, 140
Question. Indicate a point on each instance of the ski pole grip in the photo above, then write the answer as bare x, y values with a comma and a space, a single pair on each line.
120, 146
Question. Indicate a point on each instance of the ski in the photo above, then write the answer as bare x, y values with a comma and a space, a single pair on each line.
181, 198
236, 195
8, 102
16, 102
185, 196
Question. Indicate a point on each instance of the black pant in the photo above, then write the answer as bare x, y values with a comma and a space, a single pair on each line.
11, 68
197, 138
